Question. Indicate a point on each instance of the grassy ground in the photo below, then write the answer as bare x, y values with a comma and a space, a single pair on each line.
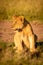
9, 57
31, 9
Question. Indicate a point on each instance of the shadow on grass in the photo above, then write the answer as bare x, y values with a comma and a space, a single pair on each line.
39, 53
39, 44
39, 47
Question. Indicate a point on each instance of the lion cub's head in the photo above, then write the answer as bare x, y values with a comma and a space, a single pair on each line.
17, 22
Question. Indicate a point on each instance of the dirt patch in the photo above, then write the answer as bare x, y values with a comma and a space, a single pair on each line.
7, 33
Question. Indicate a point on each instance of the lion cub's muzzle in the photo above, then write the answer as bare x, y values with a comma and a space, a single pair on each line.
19, 30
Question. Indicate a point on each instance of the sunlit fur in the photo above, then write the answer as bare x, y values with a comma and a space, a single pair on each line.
26, 34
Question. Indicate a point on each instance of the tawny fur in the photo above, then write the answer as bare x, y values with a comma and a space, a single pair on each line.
26, 34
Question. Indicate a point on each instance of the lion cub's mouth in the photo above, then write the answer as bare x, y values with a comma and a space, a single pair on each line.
19, 30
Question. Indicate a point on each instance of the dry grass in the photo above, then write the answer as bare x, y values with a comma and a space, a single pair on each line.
31, 9
9, 57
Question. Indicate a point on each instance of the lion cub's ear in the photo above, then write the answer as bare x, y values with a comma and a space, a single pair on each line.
21, 18
14, 17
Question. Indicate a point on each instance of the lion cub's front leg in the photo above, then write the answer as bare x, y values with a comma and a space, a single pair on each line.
26, 42
18, 42
32, 43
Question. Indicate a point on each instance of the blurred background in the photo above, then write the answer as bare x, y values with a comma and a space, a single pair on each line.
31, 9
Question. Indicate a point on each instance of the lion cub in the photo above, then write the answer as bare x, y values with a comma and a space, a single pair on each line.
23, 33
